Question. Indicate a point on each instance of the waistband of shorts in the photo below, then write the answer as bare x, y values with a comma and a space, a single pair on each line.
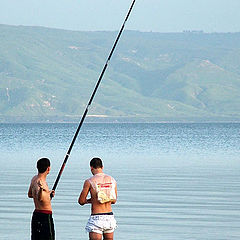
97, 214
43, 211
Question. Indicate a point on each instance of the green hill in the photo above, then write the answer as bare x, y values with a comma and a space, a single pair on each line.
49, 74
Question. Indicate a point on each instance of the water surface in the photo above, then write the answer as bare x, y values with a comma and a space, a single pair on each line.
175, 181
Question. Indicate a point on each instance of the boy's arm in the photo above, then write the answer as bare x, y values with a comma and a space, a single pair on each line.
115, 200
83, 196
30, 191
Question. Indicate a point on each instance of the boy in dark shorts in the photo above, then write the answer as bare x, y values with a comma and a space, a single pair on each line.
42, 227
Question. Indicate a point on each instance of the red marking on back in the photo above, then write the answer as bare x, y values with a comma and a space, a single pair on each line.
105, 185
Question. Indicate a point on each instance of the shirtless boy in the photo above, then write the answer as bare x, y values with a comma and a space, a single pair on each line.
42, 226
103, 191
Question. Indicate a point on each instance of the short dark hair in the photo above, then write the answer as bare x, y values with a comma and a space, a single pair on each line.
43, 164
96, 163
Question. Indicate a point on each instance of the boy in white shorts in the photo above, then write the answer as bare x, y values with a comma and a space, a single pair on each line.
103, 190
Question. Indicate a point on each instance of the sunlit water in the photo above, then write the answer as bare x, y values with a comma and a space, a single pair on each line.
175, 181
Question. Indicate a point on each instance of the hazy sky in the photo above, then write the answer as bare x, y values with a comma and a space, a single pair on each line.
148, 15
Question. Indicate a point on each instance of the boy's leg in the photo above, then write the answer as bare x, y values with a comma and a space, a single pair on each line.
95, 236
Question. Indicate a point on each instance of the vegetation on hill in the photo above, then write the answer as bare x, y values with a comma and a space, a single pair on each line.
49, 74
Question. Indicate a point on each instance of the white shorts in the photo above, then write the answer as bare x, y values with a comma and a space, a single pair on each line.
101, 223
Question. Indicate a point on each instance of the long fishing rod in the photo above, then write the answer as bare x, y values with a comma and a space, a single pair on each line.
91, 98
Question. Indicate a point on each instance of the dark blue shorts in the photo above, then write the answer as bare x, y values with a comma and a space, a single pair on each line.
42, 226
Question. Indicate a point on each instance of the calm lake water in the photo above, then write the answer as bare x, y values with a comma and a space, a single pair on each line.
175, 181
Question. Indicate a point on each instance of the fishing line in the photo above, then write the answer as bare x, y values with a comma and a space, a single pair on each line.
91, 98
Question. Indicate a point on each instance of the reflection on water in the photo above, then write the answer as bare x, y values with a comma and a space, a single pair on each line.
175, 181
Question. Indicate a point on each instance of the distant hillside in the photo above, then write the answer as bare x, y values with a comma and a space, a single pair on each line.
49, 74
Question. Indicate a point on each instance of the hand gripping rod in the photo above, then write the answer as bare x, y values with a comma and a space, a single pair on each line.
91, 99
